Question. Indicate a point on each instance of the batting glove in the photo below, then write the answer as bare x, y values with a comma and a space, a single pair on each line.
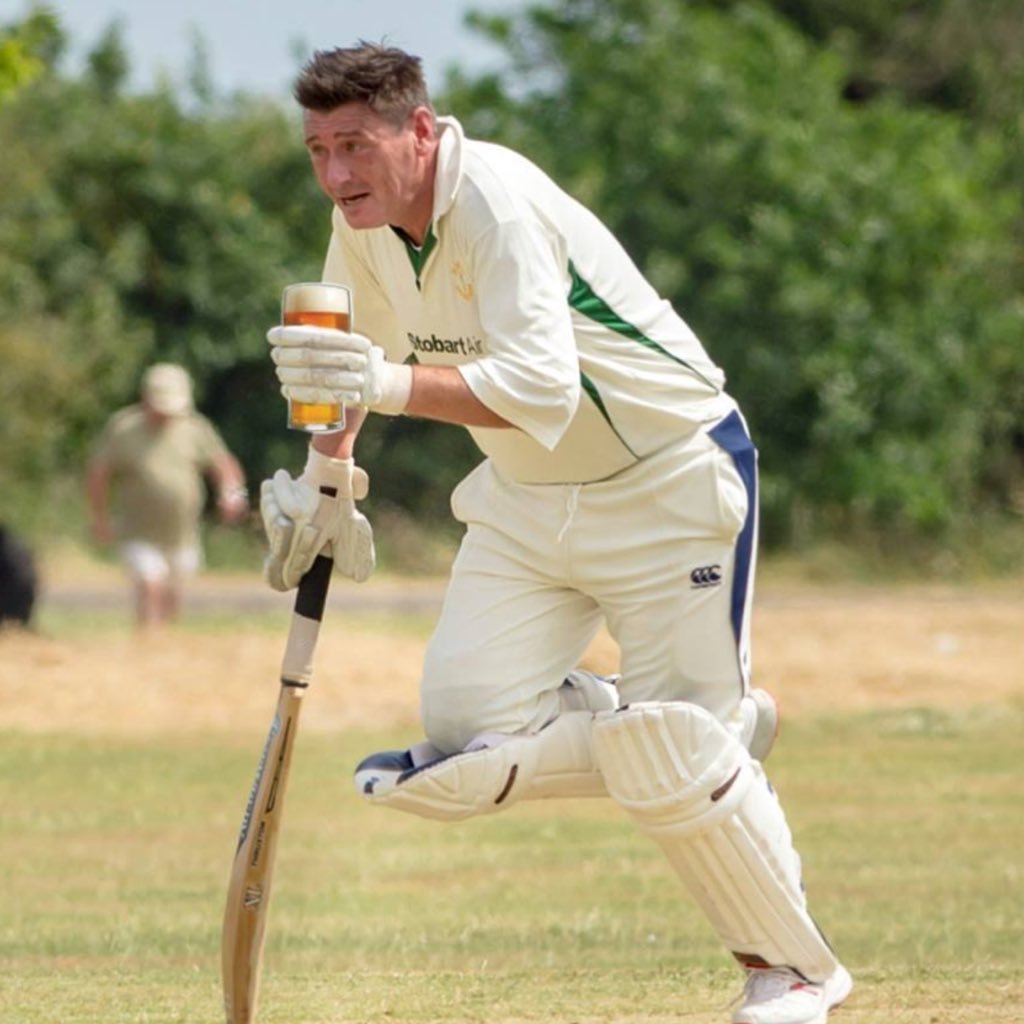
301, 522
321, 365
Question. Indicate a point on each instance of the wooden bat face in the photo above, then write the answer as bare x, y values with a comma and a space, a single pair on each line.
245, 915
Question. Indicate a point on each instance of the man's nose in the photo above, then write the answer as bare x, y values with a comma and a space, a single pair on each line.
338, 173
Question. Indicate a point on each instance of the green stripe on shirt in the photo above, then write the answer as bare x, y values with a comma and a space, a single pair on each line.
585, 300
591, 389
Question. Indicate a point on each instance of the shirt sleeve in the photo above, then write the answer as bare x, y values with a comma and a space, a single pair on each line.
108, 449
210, 444
530, 375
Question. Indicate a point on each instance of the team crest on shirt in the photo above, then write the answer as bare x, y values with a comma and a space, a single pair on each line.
462, 284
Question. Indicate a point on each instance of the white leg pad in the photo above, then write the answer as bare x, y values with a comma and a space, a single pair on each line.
497, 769
556, 762
693, 787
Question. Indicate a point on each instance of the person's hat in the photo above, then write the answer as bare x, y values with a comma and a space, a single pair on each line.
167, 389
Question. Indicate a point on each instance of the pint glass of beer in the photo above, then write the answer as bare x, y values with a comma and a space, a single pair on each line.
318, 305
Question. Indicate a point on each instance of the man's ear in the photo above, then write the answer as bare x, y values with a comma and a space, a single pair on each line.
423, 127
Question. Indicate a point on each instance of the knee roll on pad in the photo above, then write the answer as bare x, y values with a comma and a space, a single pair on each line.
693, 788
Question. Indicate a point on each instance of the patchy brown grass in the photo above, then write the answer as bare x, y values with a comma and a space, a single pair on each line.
817, 649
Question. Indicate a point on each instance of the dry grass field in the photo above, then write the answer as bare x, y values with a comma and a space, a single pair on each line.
126, 760
819, 649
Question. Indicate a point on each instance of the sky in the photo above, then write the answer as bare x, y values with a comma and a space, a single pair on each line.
251, 43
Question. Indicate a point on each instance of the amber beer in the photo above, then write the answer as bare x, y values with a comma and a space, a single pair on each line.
316, 305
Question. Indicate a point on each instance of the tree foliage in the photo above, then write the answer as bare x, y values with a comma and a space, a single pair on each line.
139, 228
839, 226
957, 55
853, 267
27, 48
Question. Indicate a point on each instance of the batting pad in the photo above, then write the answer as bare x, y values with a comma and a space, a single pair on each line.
556, 762
693, 788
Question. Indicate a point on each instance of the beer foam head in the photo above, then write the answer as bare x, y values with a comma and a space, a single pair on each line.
314, 297
167, 389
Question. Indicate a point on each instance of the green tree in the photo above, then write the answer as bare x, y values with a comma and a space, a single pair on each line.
854, 266
136, 228
960, 55
27, 48
851, 267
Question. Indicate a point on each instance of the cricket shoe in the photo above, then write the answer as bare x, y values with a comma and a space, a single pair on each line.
760, 723
778, 995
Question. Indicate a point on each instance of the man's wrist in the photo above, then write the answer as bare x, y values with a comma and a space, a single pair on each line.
236, 492
348, 480
396, 389
325, 469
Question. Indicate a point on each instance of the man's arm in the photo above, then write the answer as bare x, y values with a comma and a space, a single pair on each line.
438, 393
97, 493
441, 393
229, 484
340, 444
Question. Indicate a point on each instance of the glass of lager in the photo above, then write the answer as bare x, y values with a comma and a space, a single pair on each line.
316, 304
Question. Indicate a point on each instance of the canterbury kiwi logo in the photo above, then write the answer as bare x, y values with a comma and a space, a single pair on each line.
706, 576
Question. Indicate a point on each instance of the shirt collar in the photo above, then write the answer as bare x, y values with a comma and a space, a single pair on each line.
449, 165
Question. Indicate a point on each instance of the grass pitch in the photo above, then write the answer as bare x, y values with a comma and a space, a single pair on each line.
116, 843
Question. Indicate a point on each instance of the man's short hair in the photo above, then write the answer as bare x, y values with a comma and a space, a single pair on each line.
388, 80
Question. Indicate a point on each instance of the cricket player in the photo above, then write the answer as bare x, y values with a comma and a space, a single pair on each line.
619, 485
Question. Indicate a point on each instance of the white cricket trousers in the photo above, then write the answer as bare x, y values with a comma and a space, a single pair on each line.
663, 553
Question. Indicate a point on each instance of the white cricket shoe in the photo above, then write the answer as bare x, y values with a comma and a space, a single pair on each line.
778, 995
760, 723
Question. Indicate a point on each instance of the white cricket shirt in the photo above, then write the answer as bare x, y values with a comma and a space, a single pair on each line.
548, 320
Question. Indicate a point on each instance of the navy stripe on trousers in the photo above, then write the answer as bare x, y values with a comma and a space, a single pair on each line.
731, 435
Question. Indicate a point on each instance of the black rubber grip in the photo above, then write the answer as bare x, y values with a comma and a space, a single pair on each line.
312, 593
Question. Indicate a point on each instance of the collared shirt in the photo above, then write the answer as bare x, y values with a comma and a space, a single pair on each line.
547, 318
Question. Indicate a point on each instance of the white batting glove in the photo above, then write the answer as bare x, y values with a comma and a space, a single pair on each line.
301, 522
321, 365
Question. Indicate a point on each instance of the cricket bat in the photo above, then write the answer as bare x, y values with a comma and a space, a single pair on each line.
245, 915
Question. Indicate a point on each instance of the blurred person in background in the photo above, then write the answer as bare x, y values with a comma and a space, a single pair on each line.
146, 486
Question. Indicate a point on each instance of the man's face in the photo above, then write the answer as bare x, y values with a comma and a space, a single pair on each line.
155, 419
374, 172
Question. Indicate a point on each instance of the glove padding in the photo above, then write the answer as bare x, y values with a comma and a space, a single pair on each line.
322, 365
301, 522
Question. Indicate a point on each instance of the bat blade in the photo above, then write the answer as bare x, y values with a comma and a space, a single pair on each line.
245, 915
248, 898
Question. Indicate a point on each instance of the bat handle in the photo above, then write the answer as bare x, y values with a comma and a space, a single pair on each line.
297, 666
310, 600
311, 597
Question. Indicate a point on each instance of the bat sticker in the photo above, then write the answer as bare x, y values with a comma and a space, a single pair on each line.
275, 728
